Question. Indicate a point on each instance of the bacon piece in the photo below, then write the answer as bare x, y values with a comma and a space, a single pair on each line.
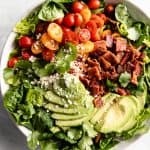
84, 80
109, 56
100, 46
109, 41
94, 72
119, 56
136, 72
97, 102
98, 138
105, 64
121, 44
93, 62
125, 58
121, 91
95, 88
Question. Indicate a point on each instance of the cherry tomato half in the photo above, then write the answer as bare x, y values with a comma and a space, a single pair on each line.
55, 32
26, 54
48, 55
78, 19
68, 20
94, 4
48, 42
25, 42
37, 48
84, 35
77, 6
12, 61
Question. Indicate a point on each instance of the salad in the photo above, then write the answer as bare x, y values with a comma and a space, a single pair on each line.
79, 75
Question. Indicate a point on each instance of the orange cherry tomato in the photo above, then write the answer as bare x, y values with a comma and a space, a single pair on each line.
48, 42
55, 32
37, 48
86, 14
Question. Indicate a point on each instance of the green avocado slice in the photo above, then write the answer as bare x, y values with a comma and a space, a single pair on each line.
53, 98
71, 123
119, 114
59, 116
107, 100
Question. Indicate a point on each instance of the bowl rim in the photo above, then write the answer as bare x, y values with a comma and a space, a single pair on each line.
11, 37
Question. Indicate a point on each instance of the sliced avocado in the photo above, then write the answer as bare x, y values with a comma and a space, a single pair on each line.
118, 115
71, 123
66, 110
131, 122
138, 103
107, 100
59, 116
53, 98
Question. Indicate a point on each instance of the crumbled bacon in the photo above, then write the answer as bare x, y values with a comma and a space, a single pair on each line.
105, 63
97, 102
94, 71
100, 46
121, 91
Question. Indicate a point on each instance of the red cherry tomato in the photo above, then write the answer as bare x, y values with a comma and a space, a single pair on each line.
48, 55
109, 10
95, 35
68, 20
59, 21
78, 19
77, 6
12, 61
94, 4
99, 21
25, 42
91, 25
84, 35
26, 54
103, 16
70, 36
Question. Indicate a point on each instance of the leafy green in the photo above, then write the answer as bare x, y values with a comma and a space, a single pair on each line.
111, 86
64, 57
107, 143
9, 75
13, 97
124, 79
49, 145
35, 97
42, 121
53, 9
122, 15
27, 25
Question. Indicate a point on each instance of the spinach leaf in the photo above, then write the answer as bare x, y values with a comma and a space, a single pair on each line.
122, 15
124, 79
50, 11
111, 86
53, 9
27, 25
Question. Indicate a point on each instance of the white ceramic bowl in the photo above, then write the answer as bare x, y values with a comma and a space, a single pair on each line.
139, 11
